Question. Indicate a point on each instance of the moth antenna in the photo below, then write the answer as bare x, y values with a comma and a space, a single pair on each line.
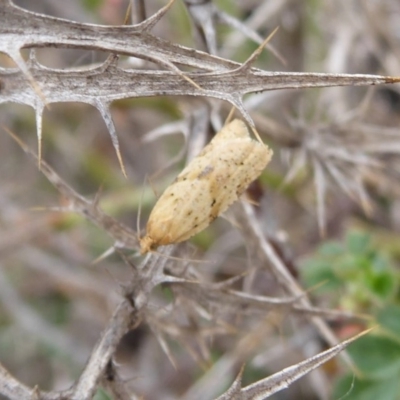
151, 184
157, 173
139, 214
251, 60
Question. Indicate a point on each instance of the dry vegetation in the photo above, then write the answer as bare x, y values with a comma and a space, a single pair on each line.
218, 315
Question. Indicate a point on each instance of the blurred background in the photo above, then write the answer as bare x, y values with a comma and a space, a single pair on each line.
329, 201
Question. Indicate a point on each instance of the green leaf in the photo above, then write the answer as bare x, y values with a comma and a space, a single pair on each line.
358, 242
351, 388
101, 395
349, 266
318, 271
92, 4
330, 249
389, 319
379, 277
381, 263
376, 357
381, 285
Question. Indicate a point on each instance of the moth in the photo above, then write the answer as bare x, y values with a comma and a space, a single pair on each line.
208, 185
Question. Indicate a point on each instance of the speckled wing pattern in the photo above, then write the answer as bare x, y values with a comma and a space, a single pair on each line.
208, 185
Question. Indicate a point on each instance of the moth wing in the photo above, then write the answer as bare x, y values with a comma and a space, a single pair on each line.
231, 137
215, 181
242, 161
181, 212
234, 130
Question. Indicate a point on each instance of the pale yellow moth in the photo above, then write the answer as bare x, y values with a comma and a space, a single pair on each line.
208, 185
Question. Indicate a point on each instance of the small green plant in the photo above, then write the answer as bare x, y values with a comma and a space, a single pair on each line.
360, 277
355, 275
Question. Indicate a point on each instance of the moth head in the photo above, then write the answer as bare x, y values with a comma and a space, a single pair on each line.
147, 244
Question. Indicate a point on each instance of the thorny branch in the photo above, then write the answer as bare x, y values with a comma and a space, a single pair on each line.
100, 86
